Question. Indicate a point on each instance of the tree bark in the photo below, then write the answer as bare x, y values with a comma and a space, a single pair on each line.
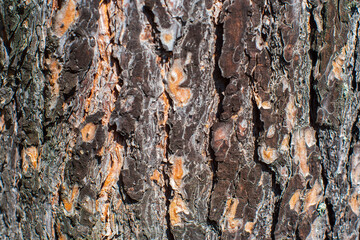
201, 119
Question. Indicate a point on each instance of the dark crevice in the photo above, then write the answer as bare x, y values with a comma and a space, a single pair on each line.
324, 177
297, 234
160, 50
114, 63
313, 54
124, 196
258, 128
68, 96
354, 84
314, 103
338, 11
220, 86
3, 35
327, 235
220, 82
166, 168
331, 214
323, 15
275, 218
353, 9
214, 168
168, 195
167, 186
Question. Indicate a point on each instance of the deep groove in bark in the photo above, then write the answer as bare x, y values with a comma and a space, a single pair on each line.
313, 54
3, 35
220, 82
168, 195
297, 234
354, 83
168, 188
160, 50
214, 167
275, 217
258, 128
331, 214
220, 86
324, 177
327, 235
166, 168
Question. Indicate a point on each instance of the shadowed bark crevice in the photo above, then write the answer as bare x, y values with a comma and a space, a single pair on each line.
220, 85
276, 188
220, 82
159, 50
355, 84
313, 54
166, 170
331, 214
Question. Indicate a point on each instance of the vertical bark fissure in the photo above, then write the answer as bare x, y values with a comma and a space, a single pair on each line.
166, 169
258, 128
338, 11
331, 214
314, 106
275, 215
220, 82
4, 36
297, 234
166, 166
160, 50
313, 54
220, 86
354, 83
213, 167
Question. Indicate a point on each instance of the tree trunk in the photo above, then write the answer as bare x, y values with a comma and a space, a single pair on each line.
179, 119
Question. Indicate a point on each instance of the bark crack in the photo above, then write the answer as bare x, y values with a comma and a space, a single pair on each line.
313, 54
159, 50
220, 82
354, 84
166, 166
331, 214
276, 188
220, 86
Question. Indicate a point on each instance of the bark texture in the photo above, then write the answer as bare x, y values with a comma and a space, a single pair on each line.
179, 119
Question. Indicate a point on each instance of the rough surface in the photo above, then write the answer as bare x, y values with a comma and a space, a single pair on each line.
177, 119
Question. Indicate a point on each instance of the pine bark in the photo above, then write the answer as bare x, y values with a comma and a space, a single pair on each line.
177, 119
